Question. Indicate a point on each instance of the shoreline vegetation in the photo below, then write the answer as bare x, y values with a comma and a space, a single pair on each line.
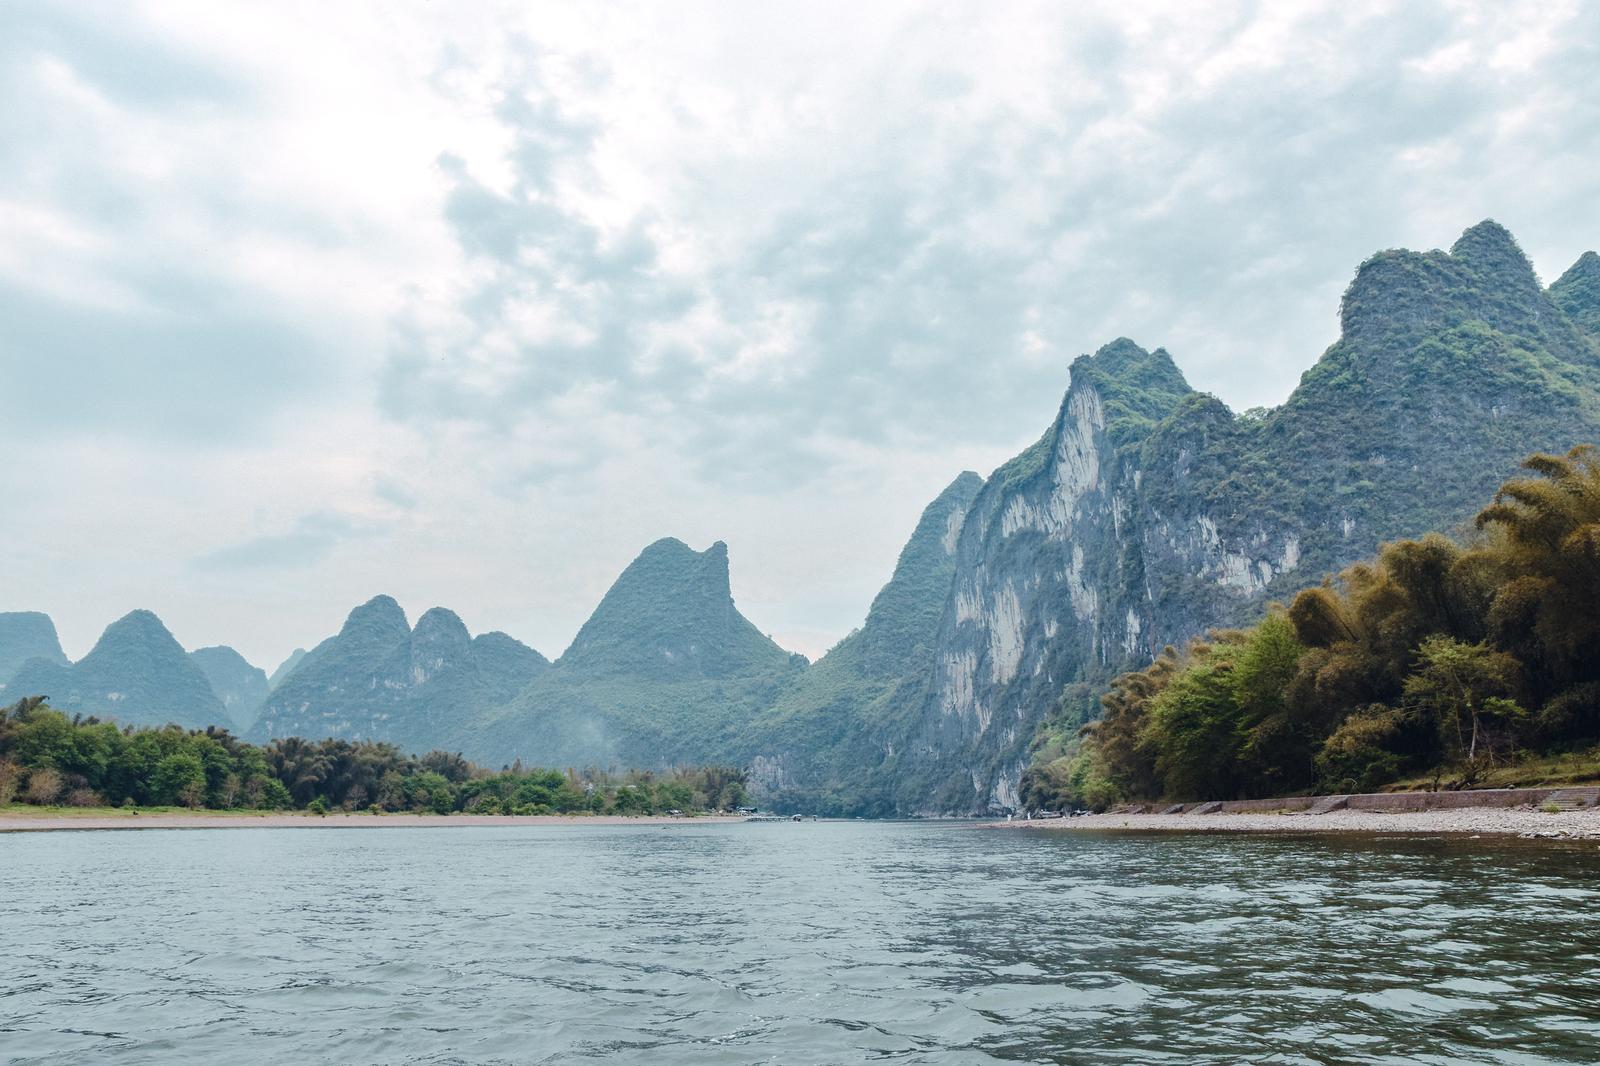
22, 818
1440, 665
48, 760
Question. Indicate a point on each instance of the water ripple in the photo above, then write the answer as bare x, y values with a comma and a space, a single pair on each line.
817, 943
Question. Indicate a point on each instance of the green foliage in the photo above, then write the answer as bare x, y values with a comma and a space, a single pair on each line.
1359, 755
1464, 690
1425, 657
45, 758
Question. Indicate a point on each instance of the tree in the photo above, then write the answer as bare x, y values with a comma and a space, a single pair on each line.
180, 778
1193, 728
1465, 689
1359, 755
1549, 527
1278, 739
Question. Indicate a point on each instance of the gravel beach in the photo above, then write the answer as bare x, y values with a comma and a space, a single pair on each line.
1496, 821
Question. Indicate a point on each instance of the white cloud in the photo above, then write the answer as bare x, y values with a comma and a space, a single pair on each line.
469, 303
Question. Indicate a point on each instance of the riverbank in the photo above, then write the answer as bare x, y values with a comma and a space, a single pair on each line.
1473, 821
40, 819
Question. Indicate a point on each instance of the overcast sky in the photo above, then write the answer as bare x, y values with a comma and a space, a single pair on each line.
300, 303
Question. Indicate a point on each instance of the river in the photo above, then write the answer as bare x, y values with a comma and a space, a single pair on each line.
823, 943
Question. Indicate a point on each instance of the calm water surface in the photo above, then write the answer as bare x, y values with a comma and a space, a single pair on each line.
814, 943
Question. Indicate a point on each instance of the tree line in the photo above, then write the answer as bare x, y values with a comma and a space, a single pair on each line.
1435, 658
47, 758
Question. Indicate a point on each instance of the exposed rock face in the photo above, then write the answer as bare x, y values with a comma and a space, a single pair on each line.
1149, 513
136, 674
843, 723
240, 686
379, 679
666, 670
26, 635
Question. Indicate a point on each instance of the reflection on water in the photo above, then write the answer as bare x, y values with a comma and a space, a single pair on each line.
782, 943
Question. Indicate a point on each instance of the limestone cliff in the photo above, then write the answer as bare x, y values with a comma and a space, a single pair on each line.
1149, 513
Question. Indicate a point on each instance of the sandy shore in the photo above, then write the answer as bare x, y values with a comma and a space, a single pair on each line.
1483, 821
12, 821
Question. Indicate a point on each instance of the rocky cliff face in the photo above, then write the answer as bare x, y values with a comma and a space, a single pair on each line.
835, 738
26, 635
136, 674
379, 679
240, 686
1149, 513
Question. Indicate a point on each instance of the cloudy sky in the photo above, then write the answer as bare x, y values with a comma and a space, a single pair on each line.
300, 303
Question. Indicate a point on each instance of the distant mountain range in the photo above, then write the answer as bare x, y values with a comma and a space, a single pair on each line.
26, 635
1147, 513
378, 678
136, 673
665, 671
240, 686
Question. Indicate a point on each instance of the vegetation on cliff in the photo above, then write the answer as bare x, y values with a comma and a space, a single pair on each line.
1435, 657
47, 758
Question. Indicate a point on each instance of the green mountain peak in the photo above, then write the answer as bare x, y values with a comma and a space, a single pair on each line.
137, 673
670, 614
240, 686
26, 635
1577, 293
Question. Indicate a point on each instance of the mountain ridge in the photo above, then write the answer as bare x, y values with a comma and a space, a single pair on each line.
137, 674
26, 635
1146, 513
379, 678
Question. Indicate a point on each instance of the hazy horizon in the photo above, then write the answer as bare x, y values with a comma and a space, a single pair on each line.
469, 311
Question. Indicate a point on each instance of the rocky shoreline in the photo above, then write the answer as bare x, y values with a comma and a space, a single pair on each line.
1524, 821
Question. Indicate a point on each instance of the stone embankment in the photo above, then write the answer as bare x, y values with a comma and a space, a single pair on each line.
1570, 813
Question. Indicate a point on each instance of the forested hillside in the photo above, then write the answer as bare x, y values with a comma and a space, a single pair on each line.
1434, 658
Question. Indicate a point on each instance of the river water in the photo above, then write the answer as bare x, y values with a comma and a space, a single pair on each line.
781, 943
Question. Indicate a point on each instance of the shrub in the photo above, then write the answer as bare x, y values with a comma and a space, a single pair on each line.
10, 778
318, 807
44, 786
1355, 758
84, 797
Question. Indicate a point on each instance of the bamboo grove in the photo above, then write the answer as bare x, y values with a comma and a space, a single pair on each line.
1436, 658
